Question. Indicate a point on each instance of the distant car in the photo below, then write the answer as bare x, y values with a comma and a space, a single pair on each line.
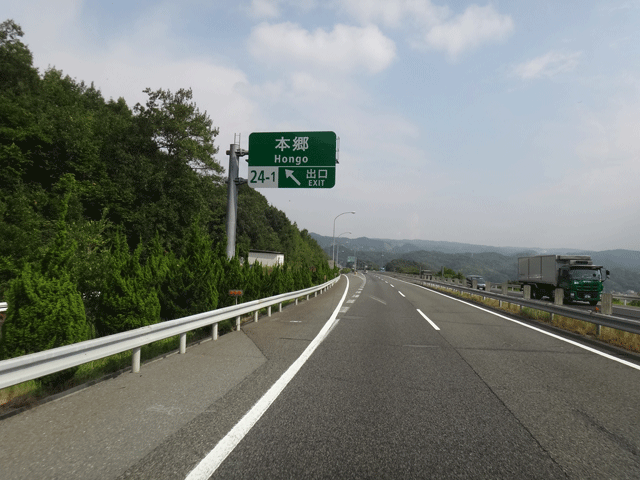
482, 285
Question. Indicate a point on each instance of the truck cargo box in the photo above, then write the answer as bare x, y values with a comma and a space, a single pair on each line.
544, 268
540, 269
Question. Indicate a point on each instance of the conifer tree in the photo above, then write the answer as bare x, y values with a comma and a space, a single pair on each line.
46, 312
192, 286
46, 309
275, 282
128, 298
232, 279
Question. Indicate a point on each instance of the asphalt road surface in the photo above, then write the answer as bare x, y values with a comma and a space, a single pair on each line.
406, 383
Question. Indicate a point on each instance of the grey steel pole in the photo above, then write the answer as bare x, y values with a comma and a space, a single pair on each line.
333, 246
232, 201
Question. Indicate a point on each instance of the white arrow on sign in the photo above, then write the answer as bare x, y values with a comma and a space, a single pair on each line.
289, 174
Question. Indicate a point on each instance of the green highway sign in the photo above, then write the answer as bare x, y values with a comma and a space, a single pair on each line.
292, 160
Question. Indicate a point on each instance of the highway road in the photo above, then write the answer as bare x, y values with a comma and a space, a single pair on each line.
406, 383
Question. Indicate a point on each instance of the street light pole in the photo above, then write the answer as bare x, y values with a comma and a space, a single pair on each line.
333, 244
338, 256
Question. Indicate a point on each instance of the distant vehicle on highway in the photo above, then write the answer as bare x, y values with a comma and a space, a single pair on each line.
482, 285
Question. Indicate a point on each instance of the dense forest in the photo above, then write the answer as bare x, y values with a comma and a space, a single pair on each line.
113, 217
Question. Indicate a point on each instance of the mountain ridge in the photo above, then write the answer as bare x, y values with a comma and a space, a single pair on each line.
497, 264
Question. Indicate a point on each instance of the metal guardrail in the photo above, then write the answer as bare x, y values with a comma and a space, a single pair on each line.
622, 298
35, 365
611, 321
3, 307
627, 298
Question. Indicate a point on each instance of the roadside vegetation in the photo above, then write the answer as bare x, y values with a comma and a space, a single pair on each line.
631, 303
113, 218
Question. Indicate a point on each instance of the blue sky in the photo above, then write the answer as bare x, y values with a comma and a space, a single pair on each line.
504, 123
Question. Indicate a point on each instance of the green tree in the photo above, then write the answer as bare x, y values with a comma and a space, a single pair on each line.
232, 279
192, 286
128, 299
46, 307
46, 312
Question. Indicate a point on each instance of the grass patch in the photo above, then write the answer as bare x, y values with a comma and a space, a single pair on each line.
630, 303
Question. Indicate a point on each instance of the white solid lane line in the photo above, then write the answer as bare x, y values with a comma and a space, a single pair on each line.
544, 332
209, 464
428, 320
401, 293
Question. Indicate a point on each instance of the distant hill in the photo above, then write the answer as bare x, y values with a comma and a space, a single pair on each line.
496, 264
398, 246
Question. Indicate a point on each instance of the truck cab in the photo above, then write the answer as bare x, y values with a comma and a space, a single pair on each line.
581, 283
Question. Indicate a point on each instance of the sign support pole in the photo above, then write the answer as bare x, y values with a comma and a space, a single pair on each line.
232, 201
233, 182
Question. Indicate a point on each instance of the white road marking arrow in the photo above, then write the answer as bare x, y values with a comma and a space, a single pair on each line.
289, 174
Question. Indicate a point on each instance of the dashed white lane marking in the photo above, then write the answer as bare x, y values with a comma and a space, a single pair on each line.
428, 320
391, 284
209, 464
344, 309
401, 293
350, 301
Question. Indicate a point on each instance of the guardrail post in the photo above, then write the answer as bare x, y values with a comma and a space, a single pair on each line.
315, 294
280, 307
307, 296
296, 301
214, 331
183, 343
238, 323
607, 303
558, 296
269, 311
255, 316
135, 360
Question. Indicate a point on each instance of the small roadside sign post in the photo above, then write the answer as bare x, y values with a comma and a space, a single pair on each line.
292, 159
236, 294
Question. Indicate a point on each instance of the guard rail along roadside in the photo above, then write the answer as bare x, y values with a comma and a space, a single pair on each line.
598, 319
35, 365
623, 298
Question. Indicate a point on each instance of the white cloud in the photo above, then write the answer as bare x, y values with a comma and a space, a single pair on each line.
345, 48
395, 14
264, 8
548, 65
476, 26
436, 26
271, 9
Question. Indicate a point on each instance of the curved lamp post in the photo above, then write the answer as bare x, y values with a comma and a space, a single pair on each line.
338, 256
333, 245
